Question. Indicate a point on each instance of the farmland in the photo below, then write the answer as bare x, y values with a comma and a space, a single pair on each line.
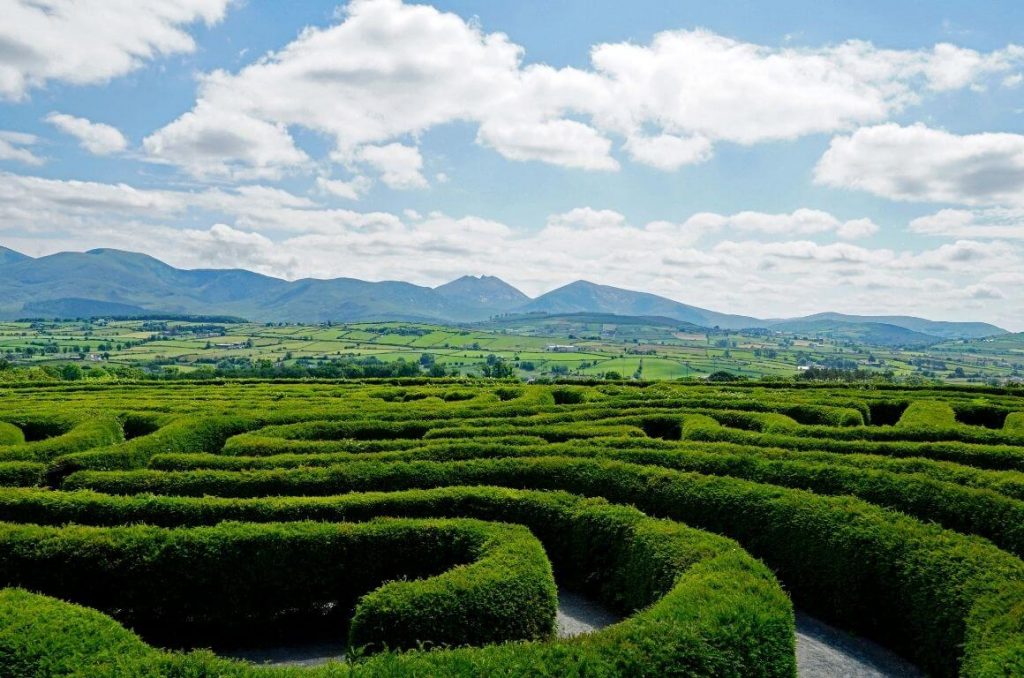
430, 526
575, 345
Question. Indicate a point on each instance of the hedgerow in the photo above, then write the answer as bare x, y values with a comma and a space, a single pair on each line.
628, 559
11, 434
89, 431
428, 521
301, 568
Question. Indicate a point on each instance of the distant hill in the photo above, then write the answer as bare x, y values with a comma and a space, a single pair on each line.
114, 282
582, 296
485, 292
79, 308
935, 328
9, 256
876, 334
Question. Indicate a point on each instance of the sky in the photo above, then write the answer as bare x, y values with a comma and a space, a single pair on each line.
769, 159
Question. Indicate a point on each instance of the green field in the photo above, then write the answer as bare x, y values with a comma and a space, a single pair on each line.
621, 350
427, 527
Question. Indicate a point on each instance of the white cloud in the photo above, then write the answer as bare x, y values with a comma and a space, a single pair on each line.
388, 71
668, 152
399, 165
559, 142
995, 222
86, 43
94, 137
918, 163
13, 147
212, 142
350, 190
748, 262
800, 222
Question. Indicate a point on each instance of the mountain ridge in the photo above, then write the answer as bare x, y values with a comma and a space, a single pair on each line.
102, 280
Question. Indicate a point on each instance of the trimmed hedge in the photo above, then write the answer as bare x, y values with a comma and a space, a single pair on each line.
91, 430
184, 434
715, 612
928, 415
948, 601
11, 434
697, 427
234, 579
22, 473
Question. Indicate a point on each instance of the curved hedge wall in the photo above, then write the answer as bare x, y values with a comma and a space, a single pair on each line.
431, 522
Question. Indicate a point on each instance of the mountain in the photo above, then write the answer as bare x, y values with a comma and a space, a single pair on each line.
582, 296
114, 282
935, 328
9, 256
874, 333
87, 283
484, 292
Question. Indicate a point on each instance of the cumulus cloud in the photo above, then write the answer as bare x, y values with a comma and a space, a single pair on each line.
399, 165
389, 70
747, 262
95, 137
919, 163
221, 142
668, 152
350, 190
559, 142
799, 222
995, 222
85, 43
15, 146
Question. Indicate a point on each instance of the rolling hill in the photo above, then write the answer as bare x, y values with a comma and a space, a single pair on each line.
934, 328
105, 282
587, 297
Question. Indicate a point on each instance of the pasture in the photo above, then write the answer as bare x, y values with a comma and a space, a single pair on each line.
632, 350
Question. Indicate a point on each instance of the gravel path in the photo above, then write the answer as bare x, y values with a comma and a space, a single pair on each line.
578, 614
822, 651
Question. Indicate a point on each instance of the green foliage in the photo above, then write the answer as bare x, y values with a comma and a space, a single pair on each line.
928, 415
11, 434
432, 517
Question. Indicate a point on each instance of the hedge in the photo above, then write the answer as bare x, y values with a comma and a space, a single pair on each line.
715, 612
236, 579
90, 430
11, 434
697, 427
183, 434
948, 601
928, 415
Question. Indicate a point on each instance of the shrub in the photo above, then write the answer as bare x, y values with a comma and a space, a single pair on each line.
11, 434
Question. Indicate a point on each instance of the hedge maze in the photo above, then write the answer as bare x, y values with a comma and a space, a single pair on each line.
432, 523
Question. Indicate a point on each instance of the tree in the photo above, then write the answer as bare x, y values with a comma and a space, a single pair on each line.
496, 368
70, 372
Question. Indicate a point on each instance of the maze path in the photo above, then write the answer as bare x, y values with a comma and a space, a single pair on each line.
806, 480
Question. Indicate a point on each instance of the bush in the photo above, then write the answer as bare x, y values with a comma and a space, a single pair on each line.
716, 612
11, 434
928, 415
928, 592
236, 579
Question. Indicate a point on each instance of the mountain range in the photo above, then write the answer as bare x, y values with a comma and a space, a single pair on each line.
108, 282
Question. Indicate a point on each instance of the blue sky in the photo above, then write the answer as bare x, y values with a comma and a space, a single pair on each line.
807, 156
